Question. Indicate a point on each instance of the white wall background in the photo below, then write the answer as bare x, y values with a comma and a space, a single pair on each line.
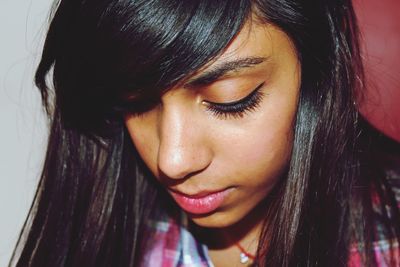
23, 24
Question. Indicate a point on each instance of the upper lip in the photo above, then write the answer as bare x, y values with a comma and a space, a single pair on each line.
199, 194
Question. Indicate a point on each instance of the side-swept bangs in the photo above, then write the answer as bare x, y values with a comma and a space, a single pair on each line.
119, 48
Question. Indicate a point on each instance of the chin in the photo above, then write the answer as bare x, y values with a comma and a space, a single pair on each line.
213, 220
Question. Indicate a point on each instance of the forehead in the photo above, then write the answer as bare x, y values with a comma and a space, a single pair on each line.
255, 39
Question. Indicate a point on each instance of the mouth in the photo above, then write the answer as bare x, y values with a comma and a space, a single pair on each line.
201, 203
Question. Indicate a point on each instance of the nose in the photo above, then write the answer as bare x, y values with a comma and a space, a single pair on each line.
183, 148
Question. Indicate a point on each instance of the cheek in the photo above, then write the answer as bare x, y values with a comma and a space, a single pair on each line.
269, 153
273, 143
258, 152
265, 155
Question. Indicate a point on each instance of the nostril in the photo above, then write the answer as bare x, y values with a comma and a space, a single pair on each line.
169, 181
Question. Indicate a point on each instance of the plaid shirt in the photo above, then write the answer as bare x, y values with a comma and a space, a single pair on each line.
382, 247
176, 247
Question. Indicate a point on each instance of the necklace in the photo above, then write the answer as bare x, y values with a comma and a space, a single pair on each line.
244, 255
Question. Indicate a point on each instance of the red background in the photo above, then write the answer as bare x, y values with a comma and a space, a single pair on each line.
380, 28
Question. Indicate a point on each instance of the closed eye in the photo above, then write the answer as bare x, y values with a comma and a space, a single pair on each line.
238, 108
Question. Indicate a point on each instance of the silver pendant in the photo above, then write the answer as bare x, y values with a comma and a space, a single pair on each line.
244, 258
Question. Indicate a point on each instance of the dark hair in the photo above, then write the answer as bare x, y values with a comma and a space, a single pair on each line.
95, 194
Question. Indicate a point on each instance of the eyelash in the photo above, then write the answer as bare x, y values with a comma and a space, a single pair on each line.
237, 109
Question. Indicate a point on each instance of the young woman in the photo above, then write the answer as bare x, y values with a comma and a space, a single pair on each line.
209, 133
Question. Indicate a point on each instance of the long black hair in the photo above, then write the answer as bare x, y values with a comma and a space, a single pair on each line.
96, 195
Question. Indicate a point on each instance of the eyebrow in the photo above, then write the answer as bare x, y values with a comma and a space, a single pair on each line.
215, 73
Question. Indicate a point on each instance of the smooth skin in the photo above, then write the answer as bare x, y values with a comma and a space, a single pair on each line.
190, 149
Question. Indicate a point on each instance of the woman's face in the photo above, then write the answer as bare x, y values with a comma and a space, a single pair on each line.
220, 140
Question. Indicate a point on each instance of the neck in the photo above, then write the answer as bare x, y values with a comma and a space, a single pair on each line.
246, 232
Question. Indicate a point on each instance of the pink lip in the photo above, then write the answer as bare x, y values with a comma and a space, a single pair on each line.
201, 203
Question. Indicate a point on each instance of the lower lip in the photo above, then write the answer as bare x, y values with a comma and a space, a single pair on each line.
201, 205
